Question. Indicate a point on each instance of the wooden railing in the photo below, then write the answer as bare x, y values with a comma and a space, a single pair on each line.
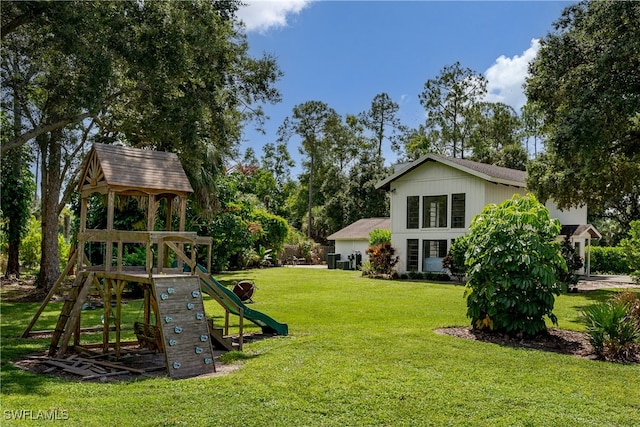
158, 245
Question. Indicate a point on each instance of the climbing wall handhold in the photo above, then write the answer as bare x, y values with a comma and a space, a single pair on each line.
190, 306
177, 330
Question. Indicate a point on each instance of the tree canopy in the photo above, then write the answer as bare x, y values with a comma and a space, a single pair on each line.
586, 84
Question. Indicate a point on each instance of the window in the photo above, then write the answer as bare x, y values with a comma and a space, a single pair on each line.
413, 211
434, 213
434, 248
412, 255
457, 210
432, 253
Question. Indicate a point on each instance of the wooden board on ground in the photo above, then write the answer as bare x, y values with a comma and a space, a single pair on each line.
184, 327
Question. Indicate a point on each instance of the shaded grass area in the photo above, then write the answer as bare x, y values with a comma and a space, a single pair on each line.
360, 352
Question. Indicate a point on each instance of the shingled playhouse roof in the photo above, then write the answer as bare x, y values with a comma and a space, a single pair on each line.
133, 171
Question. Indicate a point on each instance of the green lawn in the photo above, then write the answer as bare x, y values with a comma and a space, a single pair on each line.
360, 352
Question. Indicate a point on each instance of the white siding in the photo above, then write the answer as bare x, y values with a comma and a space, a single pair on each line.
436, 179
498, 193
432, 179
348, 247
573, 216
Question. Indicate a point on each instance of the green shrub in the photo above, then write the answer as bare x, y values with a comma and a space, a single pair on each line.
631, 248
573, 261
512, 259
609, 260
454, 261
614, 332
379, 236
30, 244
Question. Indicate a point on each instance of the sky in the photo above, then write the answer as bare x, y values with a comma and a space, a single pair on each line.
344, 53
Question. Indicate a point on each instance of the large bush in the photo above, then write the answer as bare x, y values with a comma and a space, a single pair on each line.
513, 260
609, 260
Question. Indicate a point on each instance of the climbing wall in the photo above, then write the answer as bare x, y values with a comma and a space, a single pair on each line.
184, 326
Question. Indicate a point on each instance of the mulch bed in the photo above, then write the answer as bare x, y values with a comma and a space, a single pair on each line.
554, 340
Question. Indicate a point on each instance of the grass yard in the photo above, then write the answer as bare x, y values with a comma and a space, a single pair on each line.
361, 352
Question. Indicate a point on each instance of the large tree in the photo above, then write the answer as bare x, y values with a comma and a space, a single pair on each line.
495, 138
311, 121
585, 81
450, 101
381, 119
172, 76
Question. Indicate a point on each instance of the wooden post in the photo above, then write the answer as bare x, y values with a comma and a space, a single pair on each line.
107, 315
110, 214
118, 319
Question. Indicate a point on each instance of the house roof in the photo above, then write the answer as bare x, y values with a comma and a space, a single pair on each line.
580, 231
360, 229
491, 173
133, 171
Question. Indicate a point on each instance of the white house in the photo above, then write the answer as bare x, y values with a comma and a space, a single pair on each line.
434, 198
354, 238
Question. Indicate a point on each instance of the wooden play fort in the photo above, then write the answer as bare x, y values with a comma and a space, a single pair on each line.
173, 317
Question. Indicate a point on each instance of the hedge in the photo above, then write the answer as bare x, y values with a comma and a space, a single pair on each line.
609, 260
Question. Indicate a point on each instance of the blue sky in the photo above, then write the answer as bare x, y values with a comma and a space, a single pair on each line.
345, 52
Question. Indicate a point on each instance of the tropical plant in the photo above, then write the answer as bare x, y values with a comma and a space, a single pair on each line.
513, 260
382, 260
613, 331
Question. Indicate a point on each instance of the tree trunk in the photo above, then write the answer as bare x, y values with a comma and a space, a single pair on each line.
50, 189
310, 219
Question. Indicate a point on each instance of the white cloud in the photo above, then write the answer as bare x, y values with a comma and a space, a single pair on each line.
506, 77
263, 15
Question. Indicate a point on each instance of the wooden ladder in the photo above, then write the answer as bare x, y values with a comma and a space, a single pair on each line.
69, 319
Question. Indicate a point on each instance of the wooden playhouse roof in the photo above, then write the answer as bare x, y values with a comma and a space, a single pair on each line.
132, 171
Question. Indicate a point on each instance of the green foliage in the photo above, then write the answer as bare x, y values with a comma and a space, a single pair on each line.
379, 236
450, 101
274, 230
573, 261
585, 82
631, 248
30, 244
613, 327
382, 260
454, 261
609, 260
513, 260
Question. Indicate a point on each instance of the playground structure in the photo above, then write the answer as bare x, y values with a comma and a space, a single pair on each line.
174, 320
